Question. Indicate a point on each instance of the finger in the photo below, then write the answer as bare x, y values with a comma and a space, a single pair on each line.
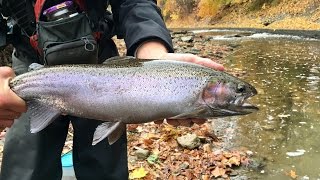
6, 72
209, 63
195, 59
7, 114
12, 101
173, 122
17, 104
6, 123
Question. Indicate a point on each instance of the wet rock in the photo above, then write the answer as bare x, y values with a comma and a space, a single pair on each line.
142, 154
190, 141
132, 159
187, 39
257, 163
233, 173
239, 178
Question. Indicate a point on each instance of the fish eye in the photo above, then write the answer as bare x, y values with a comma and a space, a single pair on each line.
241, 88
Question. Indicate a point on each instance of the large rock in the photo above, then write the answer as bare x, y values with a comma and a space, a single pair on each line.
142, 153
189, 141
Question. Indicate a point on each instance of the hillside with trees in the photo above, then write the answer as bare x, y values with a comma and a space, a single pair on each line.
273, 14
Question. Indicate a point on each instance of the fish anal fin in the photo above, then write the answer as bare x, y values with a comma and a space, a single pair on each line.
41, 115
115, 135
112, 130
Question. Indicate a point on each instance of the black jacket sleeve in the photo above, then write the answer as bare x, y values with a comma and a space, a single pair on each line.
138, 21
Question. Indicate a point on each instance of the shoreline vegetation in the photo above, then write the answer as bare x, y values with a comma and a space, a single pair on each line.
258, 14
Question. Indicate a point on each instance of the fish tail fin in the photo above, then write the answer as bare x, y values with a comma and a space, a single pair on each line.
41, 115
112, 130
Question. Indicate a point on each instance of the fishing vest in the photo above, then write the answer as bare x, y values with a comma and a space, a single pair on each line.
69, 40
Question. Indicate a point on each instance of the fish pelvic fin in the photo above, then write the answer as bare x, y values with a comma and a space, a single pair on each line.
41, 115
112, 130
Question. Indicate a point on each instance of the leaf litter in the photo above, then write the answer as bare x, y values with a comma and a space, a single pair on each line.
168, 160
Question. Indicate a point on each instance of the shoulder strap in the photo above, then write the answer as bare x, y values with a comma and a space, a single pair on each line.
38, 8
81, 4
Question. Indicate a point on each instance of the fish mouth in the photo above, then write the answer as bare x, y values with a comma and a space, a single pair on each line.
245, 108
239, 106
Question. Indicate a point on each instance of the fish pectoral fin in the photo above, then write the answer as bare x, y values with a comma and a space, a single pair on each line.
41, 115
193, 114
112, 130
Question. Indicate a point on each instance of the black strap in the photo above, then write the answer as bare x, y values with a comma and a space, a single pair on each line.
22, 12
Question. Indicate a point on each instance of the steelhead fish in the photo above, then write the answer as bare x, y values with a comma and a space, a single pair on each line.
128, 91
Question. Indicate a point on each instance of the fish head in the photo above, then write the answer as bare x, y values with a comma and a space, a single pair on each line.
226, 96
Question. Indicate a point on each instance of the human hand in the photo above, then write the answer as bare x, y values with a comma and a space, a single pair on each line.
11, 106
156, 50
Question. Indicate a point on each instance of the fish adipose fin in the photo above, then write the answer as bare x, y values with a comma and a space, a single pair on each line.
41, 115
112, 130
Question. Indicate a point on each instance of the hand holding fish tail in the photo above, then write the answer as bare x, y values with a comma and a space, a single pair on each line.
11, 106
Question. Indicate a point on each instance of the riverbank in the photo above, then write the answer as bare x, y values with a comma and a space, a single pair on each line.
284, 14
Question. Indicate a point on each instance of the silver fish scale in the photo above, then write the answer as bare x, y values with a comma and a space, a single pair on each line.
139, 93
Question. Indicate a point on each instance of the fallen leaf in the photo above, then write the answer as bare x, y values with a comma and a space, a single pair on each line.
147, 142
138, 173
218, 172
132, 127
205, 177
292, 174
234, 161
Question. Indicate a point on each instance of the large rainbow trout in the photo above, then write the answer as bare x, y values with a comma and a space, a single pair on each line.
128, 91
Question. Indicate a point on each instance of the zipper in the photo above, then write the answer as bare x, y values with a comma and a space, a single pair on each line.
88, 46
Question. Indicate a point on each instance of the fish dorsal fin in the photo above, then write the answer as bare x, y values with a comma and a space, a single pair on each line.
35, 66
41, 115
119, 60
112, 130
125, 61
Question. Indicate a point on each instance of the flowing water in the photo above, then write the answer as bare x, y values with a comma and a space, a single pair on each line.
285, 132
